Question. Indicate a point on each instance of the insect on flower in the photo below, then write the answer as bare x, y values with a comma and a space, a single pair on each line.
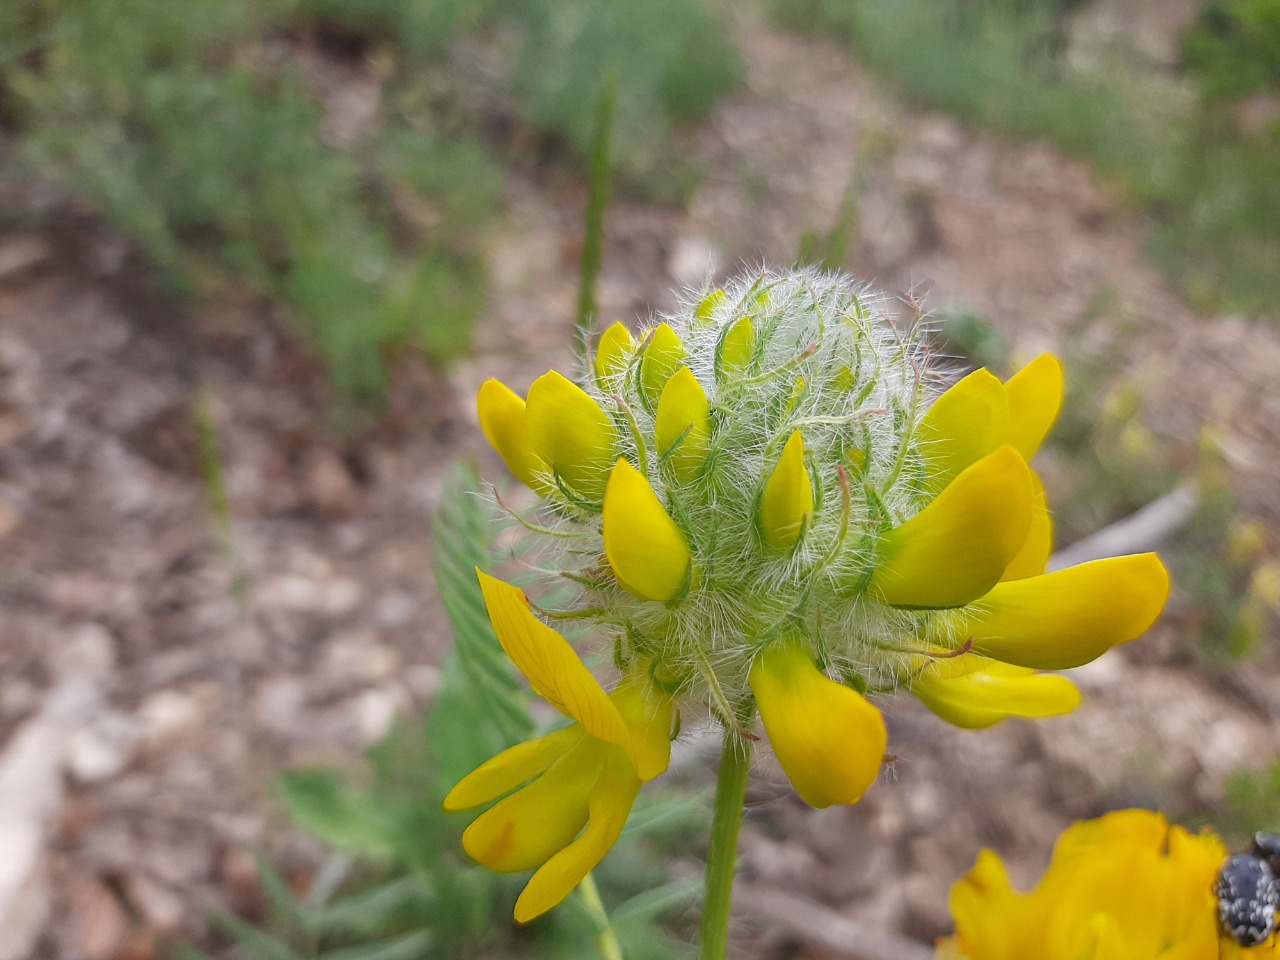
1248, 892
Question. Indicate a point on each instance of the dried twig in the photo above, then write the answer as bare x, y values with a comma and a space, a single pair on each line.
1144, 530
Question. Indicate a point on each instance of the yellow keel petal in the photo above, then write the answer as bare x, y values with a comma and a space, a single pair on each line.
958, 546
613, 353
663, 356
1038, 547
684, 417
545, 657
828, 738
1035, 398
1063, 619
503, 420
648, 713
645, 548
571, 433
527, 828
974, 693
787, 504
610, 805
965, 424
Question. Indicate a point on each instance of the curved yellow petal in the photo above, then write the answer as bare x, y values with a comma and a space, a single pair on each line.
663, 356
527, 828
828, 738
1034, 555
974, 693
965, 424
684, 417
571, 433
610, 805
613, 352
1035, 398
1063, 619
512, 767
736, 347
545, 657
502, 418
787, 504
707, 308
648, 713
645, 548
958, 546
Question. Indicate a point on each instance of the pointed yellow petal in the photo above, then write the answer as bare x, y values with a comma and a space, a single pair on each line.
707, 308
965, 424
646, 549
663, 356
502, 418
737, 347
1070, 617
613, 352
974, 693
787, 504
957, 547
512, 767
571, 433
648, 713
1038, 547
528, 827
684, 416
545, 657
610, 805
828, 738
1035, 397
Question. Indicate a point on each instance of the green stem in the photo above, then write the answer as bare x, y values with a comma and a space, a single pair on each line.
731, 791
610, 949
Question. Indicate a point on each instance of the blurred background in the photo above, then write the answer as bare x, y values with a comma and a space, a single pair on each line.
256, 256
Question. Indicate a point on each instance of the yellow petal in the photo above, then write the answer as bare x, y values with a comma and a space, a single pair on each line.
571, 433
958, 546
648, 713
613, 353
707, 308
684, 416
502, 418
974, 693
545, 657
645, 548
828, 738
1070, 617
610, 805
787, 504
965, 424
1035, 397
1038, 547
737, 347
512, 767
663, 356
528, 827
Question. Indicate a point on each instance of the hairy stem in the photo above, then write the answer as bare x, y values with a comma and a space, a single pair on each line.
731, 789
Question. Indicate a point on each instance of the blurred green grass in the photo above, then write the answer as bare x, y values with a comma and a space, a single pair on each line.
212, 134
1180, 146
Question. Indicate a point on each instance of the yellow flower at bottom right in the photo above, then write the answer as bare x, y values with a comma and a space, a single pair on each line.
1126, 886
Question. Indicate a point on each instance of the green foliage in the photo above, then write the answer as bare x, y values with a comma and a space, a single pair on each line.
1234, 48
398, 886
214, 134
1253, 803
1207, 185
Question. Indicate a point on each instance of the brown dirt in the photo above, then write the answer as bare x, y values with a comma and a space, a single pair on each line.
109, 564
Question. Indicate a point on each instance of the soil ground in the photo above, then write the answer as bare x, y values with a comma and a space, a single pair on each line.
167, 701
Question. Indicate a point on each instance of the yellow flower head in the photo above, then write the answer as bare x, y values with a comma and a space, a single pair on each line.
1127, 886
768, 505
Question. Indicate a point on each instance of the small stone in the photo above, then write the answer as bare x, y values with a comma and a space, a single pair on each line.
98, 924
89, 649
279, 703
394, 609
166, 713
103, 749
375, 710
158, 904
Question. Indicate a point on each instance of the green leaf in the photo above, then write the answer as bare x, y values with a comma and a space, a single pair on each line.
257, 943
412, 946
370, 913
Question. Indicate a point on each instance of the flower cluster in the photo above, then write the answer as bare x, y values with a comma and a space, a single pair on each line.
1126, 886
760, 510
